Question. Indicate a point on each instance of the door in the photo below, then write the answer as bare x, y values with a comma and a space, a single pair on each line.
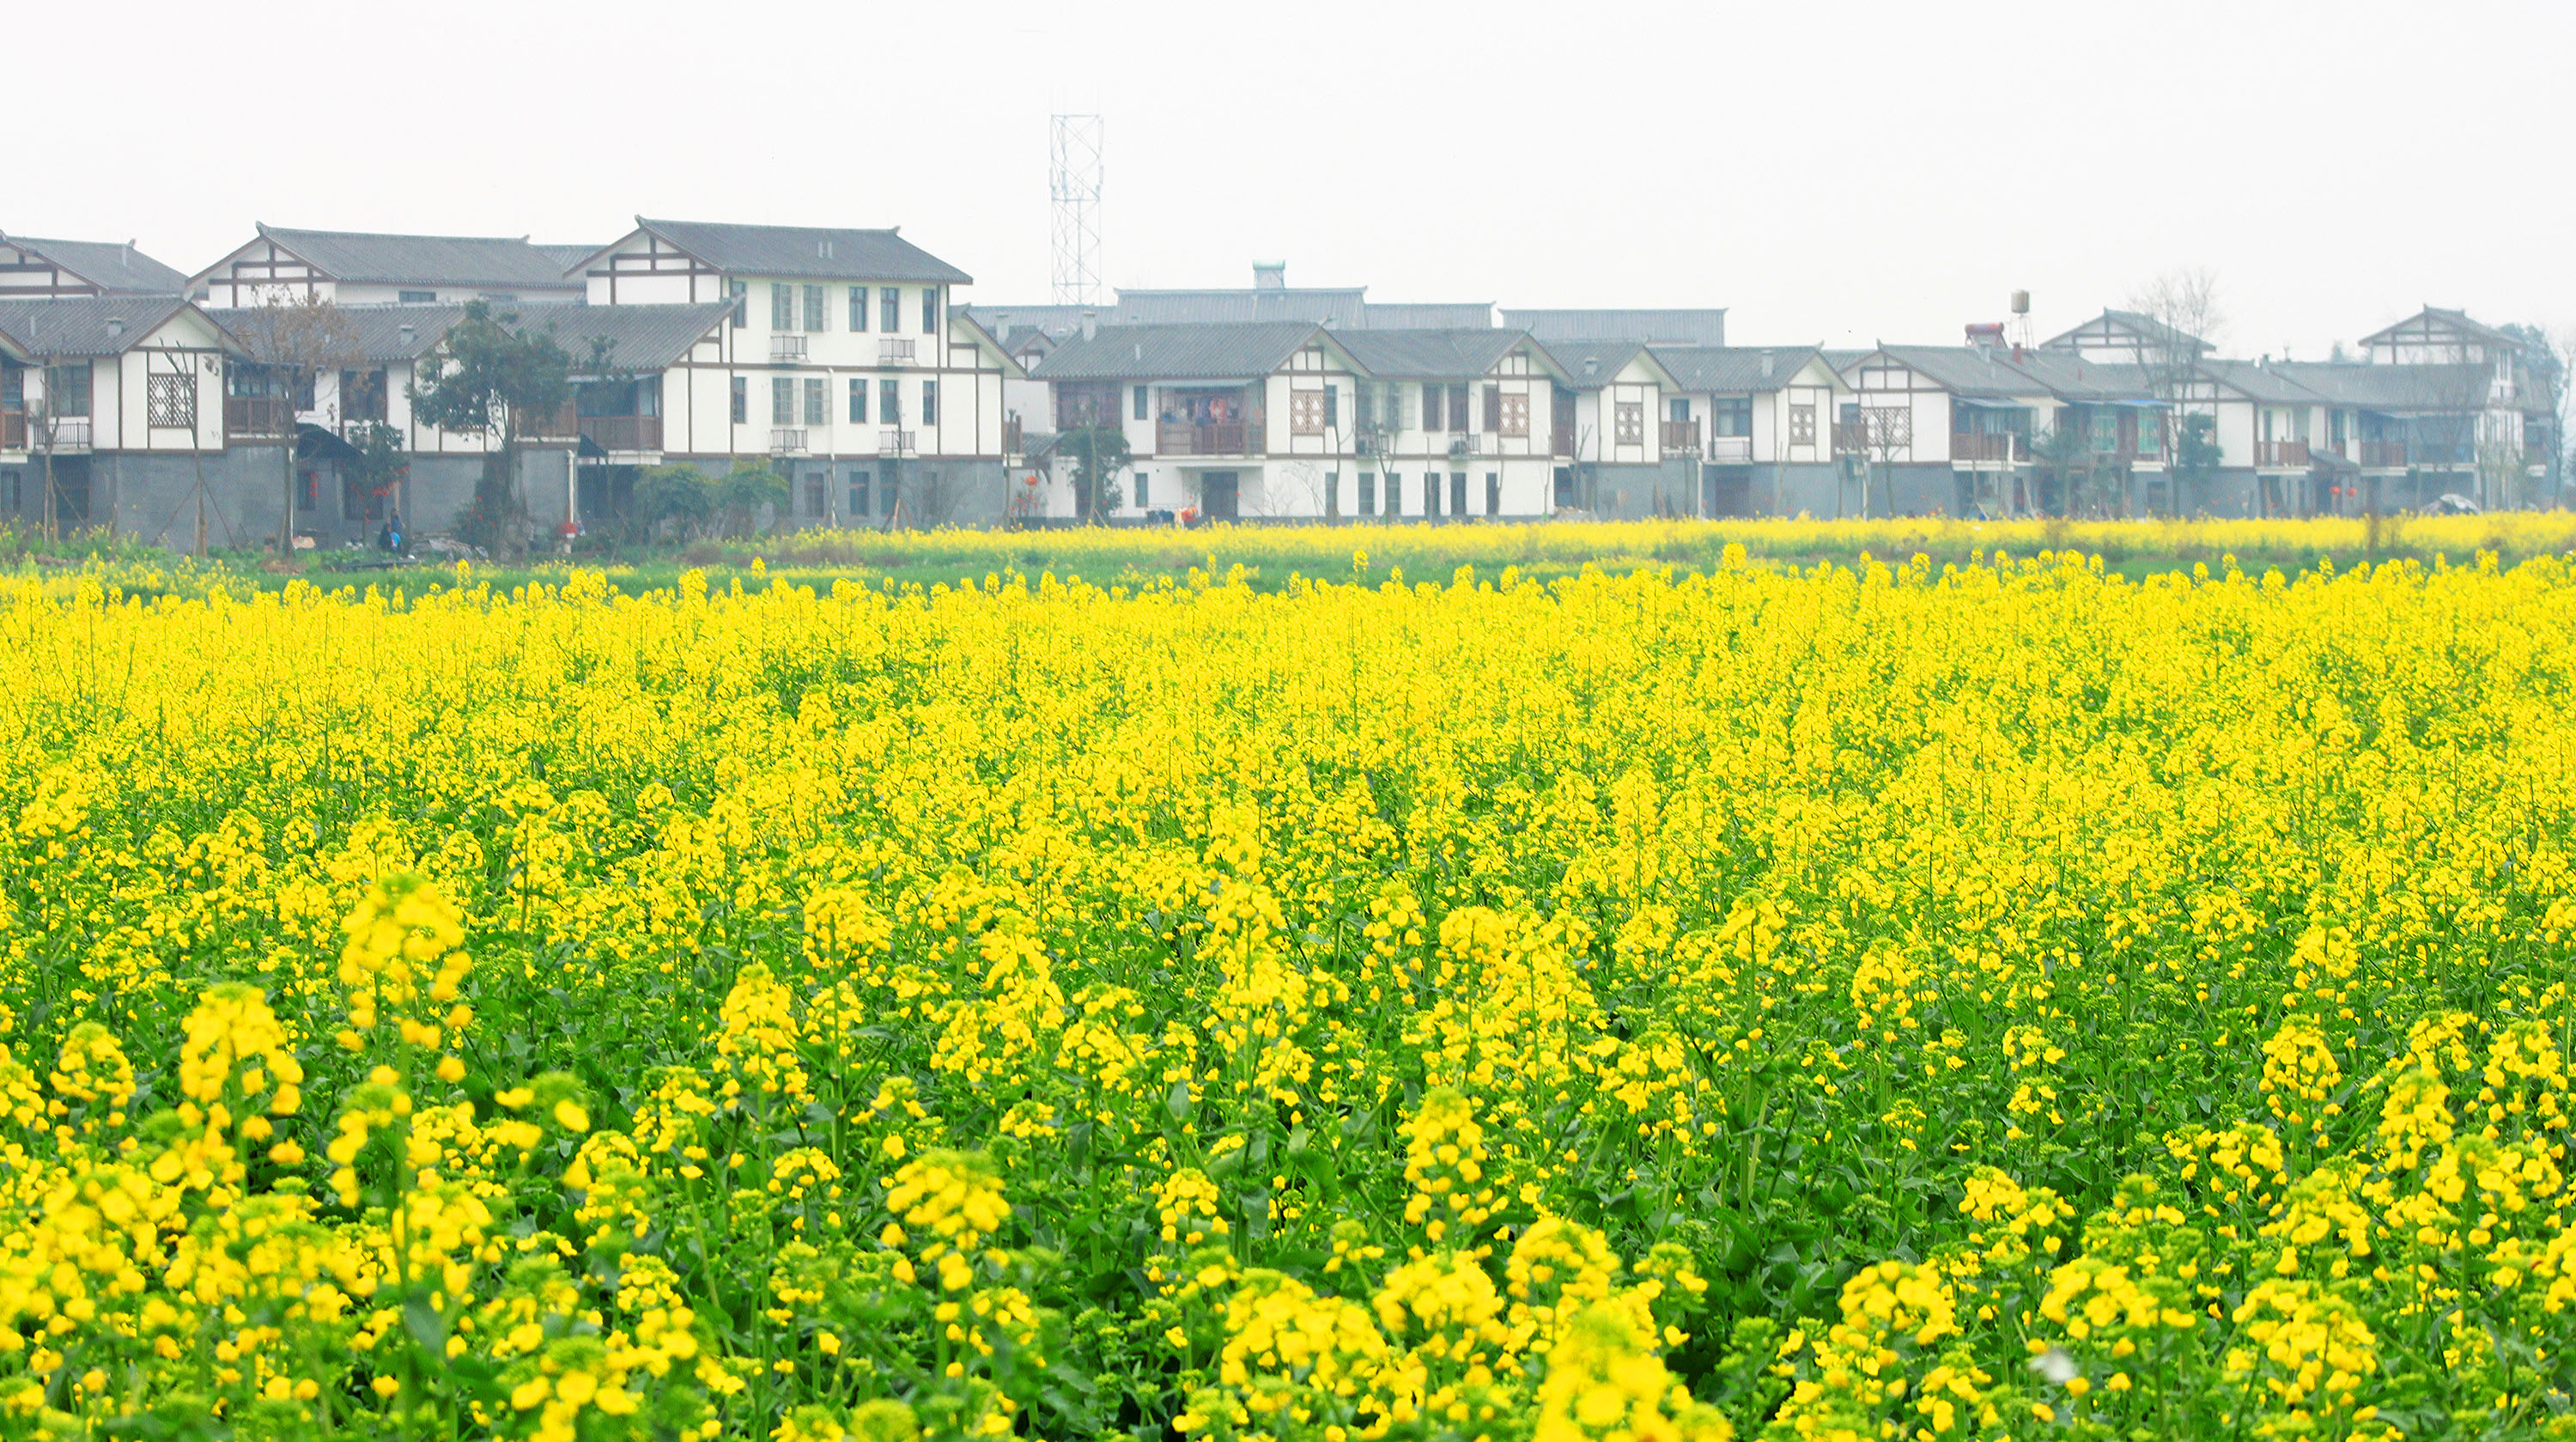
1220, 495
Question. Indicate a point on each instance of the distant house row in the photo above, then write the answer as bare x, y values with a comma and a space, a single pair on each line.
183, 409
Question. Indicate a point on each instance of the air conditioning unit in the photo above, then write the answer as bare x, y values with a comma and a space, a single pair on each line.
1462, 445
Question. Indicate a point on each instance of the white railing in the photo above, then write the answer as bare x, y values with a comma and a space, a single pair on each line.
894, 350
1730, 449
893, 443
64, 433
787, 347
786, 440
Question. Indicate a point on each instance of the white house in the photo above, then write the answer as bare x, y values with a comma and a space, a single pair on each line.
1761, 421
355, 268
32, 269
1940, 428
842, 356
111, 408
1457, 423
1626, 458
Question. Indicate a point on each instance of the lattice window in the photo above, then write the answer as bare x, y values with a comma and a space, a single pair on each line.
171, 402
1515, 415
1306, 412
1632, 423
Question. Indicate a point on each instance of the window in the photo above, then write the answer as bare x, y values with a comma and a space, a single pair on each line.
13, 487
1802, 423
2151, 440
889, 404
1513, 420
415, 297
740, 290
1493, 408
1458, 408
1141, 501
1143, 408
1733, 416
930, 403
1493, 494
1332, 493
1394, 494
858, 308
930, 312
1306, 413
782, 306
782, 401
1364, 406
815, 412
2106, 432
1332, 406
817, 497
814, 307
1431, 408
67, 388
1564, 498
889, 309
171, 402
1631, 419
1677, 410
1368, 490
858, 402
1458, 493
859, 501
741, 400
1431, 493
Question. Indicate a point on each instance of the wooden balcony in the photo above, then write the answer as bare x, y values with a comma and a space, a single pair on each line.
2281, 455
2383, 455
13, 430
62, 433
1681, 438
1225, 438
258, 416
1851, 438
623, 433
1012, 442
1987, 447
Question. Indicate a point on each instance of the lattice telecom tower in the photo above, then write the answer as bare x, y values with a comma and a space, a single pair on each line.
1074, 182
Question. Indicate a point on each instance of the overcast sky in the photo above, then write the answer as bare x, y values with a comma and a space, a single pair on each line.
1839, 173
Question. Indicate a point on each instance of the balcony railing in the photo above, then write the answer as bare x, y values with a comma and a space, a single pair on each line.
1851, 438
623, 433
786, 440
894, 350
787, 347
2282, 455
894, 443
13, 430
1223, 438
258, 416
1471, 443
1681, 438
1735, 450
1986, 446
63, 433
2383, 454
1011, 438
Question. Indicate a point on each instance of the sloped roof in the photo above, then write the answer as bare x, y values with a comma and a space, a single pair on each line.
2069, 377
568, 256
2457, 319
78, 326
1217, 352
822, 252
1715, 369
2391, 387
1430, 354
384, 334
1964, 370
1590, 365
639, 337
1667, 327
1336, 306
468, 260
2147, 327
117, 269
2262, 383
1428, 315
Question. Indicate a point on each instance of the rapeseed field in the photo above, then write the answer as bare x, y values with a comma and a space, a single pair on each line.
1872, 1001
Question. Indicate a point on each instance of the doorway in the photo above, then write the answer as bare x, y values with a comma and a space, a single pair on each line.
1220, 495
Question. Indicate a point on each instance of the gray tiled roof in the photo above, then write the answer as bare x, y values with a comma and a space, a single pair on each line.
2145, 326
1591, 364
1669, 327
115, 269
1717, 370
2070, 378
483, 261
566, 257
824, 253
1966, 370
383, 334
640, 337
1429, 354
1177, 352
76, 326
1428, 315
2261, 383
1341, 307
2391, 387
2456, 318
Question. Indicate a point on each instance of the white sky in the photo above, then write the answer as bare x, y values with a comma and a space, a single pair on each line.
1845, 173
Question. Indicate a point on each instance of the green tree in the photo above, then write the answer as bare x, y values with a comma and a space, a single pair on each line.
742, 493
2196, 456
2065, 456
495, 378
378, 462
681, 496
1099, 456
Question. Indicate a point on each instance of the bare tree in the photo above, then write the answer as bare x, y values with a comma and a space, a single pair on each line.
296, 339
2181, 308
1886, 432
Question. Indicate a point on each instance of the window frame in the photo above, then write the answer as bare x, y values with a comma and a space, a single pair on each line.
817, 314
782, 401
858, 400
889, 309
742, 400
929, 402
1629, 420
782, 307
818, 402
858, 310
